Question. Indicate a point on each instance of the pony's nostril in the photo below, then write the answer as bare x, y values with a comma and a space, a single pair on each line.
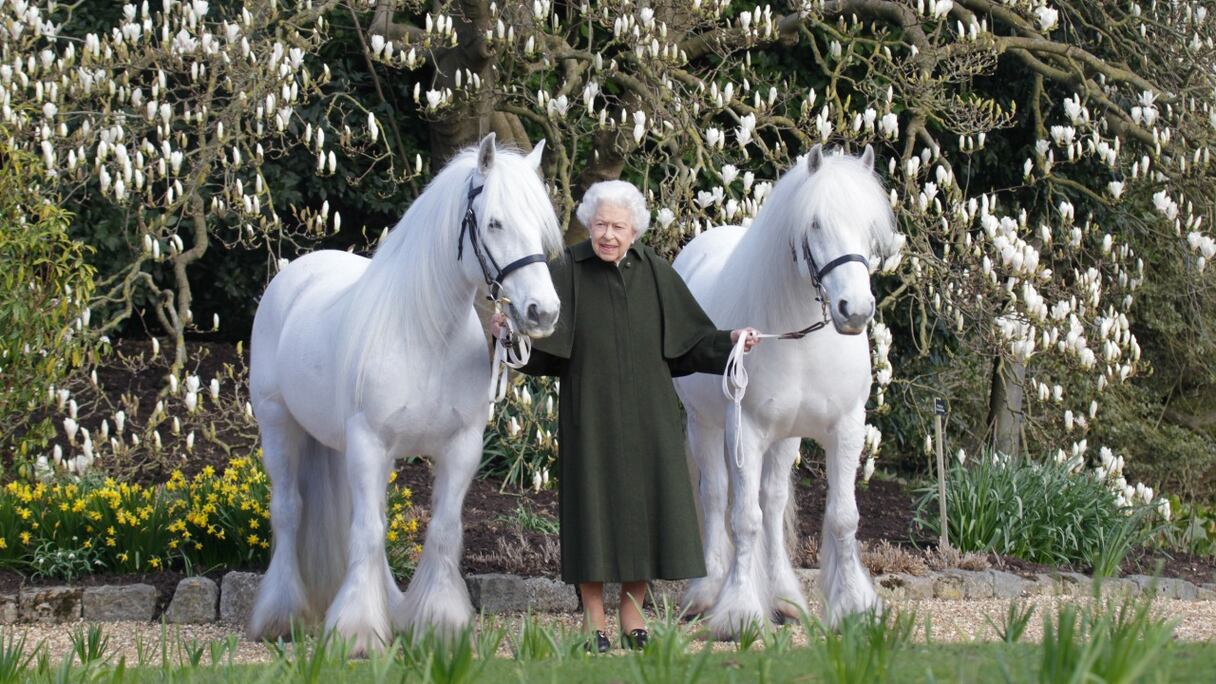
533, 313
843, 307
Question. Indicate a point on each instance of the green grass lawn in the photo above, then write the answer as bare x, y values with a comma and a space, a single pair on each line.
991, 662
1101, 642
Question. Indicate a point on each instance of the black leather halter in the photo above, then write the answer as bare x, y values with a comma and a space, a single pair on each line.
817, 276
490, 270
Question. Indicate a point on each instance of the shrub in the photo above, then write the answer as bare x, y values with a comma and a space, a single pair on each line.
521, 439
1044, 513
44, 286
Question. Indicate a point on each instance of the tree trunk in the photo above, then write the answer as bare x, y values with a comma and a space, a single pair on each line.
1005, 406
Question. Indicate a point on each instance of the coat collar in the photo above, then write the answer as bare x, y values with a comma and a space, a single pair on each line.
582, 251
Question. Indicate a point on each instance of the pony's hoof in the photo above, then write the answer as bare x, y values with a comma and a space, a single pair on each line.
362, 629
863, 604
362, 640
786, 611
729, 625
698, 599
276, 625
271, 630
444, 616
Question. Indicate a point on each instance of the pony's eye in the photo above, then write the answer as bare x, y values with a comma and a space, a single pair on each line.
494, 224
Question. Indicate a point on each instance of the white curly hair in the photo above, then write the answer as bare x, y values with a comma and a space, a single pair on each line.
620, 193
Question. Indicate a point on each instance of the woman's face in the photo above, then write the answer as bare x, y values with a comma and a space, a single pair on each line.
612, 231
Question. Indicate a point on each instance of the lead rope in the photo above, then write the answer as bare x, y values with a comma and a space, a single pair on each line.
734, 377
734, 380
510, 351
734, 386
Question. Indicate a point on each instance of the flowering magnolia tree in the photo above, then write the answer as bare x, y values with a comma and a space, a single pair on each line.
170, 116
1049, 161
1036, 154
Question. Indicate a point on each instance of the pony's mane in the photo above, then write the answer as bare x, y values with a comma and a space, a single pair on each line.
844, 196
410, 294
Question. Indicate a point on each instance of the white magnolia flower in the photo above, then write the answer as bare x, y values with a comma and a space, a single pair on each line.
639, 126
747, 125
373, 129
69, 428
889, 125
1048, 17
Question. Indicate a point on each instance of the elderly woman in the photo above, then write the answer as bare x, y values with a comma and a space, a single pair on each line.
628, 325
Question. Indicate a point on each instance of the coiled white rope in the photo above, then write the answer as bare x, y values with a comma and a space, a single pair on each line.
511, 350
734, 382
734, 386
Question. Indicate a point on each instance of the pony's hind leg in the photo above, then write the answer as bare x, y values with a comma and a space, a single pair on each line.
359, 613
785, 591
281, 598
705, 449
846, 584
437, 597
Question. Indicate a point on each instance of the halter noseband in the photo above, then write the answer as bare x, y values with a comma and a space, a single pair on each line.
490, 270
817, 276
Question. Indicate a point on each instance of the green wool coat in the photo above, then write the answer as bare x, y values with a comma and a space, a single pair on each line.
625, 496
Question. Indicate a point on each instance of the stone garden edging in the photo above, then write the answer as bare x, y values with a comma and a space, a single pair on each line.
200, 600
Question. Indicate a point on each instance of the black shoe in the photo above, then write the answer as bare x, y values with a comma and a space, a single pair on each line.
635, 639
601, 645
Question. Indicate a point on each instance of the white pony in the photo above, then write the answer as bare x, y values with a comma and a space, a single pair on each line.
355, 362
803, 261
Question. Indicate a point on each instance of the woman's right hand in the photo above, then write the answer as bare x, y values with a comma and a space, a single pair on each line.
498, 323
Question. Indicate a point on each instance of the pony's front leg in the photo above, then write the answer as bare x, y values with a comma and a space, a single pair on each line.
437, 597
359, 613
785, 591
846, 584
740, 603
281, 599
705, 449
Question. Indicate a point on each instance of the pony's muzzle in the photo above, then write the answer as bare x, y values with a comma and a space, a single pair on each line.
851, 319
539, 320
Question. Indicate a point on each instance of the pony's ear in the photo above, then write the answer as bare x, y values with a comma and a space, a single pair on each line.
535, 155
867, 157
485, 154
815, 158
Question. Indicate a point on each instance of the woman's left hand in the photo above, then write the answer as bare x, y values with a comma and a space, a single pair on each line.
753, 337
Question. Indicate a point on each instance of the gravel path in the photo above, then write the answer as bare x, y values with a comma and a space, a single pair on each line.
953, 621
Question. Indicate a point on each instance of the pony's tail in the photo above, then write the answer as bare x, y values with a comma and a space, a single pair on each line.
790, 521
324, 523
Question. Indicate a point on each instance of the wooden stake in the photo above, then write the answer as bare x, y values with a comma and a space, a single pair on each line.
939, 412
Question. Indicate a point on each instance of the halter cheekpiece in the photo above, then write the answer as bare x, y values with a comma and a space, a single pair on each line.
506, 353
817, 276
490, 270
